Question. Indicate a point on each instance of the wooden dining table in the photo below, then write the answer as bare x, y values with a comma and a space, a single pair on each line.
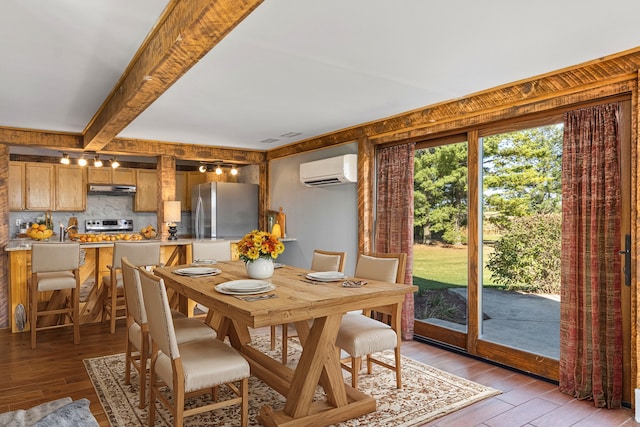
316, 309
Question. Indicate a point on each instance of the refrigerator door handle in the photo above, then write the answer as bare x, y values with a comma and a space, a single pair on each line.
199, 208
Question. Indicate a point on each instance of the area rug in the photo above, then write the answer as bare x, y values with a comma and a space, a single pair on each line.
427, 394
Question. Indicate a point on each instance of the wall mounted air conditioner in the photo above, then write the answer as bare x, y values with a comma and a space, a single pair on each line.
331, 171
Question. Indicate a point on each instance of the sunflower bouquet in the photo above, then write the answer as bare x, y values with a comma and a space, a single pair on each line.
259, 244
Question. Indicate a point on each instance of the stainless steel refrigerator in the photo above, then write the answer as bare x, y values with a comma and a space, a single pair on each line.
224, 209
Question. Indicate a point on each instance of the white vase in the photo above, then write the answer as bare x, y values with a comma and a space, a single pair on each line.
262, 268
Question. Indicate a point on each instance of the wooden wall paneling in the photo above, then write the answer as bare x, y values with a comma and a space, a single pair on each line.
166, 189
366, 208
186, 32
4, 234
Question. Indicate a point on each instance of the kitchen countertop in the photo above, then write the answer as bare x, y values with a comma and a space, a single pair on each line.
25, 244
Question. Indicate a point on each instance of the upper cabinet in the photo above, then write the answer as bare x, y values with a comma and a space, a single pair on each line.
184, 182
39, 187
107, 175
70, 188
16, 186
146, 199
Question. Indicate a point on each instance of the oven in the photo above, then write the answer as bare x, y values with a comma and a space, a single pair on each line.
108, 225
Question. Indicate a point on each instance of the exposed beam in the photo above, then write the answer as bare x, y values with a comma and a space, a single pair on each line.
39, 138
189, 30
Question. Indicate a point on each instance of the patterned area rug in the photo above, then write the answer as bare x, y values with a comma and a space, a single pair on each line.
427, 394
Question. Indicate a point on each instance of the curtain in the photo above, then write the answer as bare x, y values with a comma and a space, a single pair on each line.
394, 214
590, 309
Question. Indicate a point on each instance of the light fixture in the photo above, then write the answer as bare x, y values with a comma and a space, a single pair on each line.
65, 160
171, 216
234, 171
218, 170
97, 162
202, 168
114, 163
82, 161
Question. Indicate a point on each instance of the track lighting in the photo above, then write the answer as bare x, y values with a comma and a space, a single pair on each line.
97, 162
65, 160
234, 171
218, 170
82, 161
114, 163
202, 168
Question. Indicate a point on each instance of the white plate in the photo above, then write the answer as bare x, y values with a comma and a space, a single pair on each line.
244, 287
203, 261
197, 271
277, 265
326, 276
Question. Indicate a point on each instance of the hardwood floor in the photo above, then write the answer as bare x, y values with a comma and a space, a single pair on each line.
55, 369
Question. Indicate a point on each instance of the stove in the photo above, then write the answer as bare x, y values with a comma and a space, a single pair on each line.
108, 225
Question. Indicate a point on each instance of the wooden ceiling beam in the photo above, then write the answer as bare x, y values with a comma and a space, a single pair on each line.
187, 32
40, 139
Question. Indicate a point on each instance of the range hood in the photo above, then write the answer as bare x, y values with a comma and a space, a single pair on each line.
112, 190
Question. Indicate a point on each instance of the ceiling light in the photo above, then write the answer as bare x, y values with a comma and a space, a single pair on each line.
202, 168
218, 170
82, 161
65, 160
114, 163
97, 162
234, 171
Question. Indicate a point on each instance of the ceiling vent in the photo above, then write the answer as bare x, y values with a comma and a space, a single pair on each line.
331, 171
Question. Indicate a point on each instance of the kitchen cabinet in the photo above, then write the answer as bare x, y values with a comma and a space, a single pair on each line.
16, 186
70, 188
184, 182
146, 199
107, 175
39, 189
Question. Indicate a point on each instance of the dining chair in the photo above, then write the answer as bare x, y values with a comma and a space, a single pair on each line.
218, 250
138, 339
362, 335
215, 250
320, 261
138, 254
55, 268
191, 367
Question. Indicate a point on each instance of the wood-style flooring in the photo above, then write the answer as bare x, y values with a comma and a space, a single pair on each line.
55, 369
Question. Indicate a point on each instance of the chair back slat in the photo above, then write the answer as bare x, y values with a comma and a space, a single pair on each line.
138, 253
133, 292
47, 257
379, 266
156, 305
219, 250
328, 261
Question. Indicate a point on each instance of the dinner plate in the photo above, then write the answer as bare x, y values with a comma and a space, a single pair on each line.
244, 287
197, 271
326, 276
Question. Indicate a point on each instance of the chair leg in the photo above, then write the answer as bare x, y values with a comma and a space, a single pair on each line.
127, 362
356, 365
75, 296
152, 395
244, 410
113, 309
273, 337
33, 311
398, 368
142, 377
285, 343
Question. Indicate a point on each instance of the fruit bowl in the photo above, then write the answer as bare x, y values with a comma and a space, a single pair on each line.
148, 232
39, 232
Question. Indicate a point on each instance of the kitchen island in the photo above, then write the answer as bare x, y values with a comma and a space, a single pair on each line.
94, 258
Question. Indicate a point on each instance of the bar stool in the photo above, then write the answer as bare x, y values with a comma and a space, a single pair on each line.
138, 254
55, 267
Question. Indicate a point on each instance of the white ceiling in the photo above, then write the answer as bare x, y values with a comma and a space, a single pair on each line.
303, 66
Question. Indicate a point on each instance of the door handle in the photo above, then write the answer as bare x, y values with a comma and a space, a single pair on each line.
627, 259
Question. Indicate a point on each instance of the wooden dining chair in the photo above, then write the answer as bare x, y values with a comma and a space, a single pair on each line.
361, 335
138, 254
320, 261
55, 268
188, 368
217, 250
138, 347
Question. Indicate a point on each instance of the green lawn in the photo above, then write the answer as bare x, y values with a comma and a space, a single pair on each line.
436, 267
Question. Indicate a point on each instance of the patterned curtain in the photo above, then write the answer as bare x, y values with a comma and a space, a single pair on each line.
394, 211
590, 309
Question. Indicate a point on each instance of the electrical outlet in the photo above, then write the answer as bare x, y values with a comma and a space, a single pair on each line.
18, 222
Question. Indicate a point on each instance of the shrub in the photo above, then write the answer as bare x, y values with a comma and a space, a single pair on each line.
527, 256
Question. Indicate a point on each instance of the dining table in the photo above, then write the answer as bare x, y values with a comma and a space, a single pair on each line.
315, 308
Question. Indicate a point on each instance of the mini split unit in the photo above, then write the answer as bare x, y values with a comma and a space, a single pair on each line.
331, 171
